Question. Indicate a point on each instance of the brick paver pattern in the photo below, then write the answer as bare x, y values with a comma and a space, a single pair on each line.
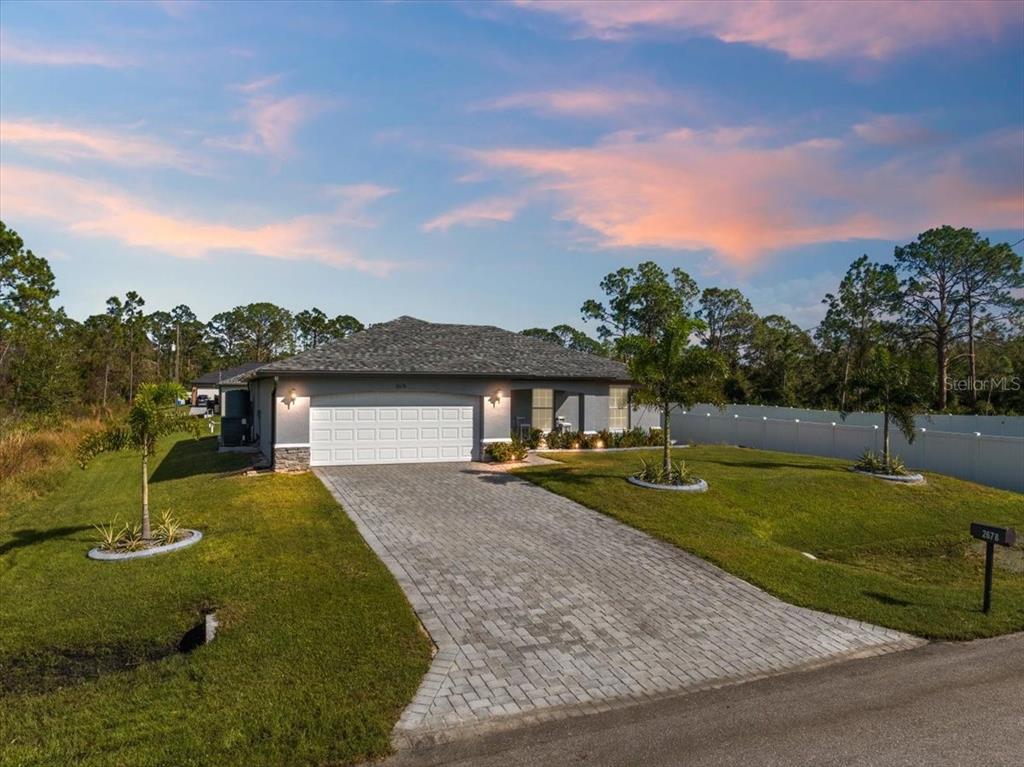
537, 603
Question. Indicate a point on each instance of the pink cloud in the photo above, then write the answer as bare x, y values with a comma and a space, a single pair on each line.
97, 210
178, 9
63, 142
20, 51
352, 200
273, 123
259, 84
496, 209
576, 102
731, 192
802, 29
893, 130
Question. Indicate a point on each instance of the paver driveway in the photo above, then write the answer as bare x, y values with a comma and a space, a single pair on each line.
540, 606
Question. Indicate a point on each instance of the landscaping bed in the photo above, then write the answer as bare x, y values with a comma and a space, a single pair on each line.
317, 653
895, 555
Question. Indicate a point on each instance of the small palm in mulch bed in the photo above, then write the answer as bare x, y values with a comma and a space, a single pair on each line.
873, 463
677, 473
127, 538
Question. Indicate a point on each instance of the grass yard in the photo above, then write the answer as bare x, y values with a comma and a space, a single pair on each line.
893, 555
317, 655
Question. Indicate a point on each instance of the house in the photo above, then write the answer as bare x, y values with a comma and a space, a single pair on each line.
409, 391
209, 384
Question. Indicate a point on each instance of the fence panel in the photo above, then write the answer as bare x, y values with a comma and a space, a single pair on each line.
992, 460
994, 425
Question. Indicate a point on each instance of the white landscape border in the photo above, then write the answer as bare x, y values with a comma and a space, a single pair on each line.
700, 486
906, 479
116, 556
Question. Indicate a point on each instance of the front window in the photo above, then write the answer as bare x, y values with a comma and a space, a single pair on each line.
543, 416
618, 408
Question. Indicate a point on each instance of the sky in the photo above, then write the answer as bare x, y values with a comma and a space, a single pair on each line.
490, 162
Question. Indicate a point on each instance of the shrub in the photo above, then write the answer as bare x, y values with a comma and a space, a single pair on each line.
503, 452
535, 438
631, 438
678, 474
872, 462
635, 437
896, 466
168, 530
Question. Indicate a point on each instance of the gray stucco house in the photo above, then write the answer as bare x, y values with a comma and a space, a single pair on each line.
409, 391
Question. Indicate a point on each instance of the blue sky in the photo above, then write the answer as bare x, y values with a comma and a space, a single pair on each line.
490, 162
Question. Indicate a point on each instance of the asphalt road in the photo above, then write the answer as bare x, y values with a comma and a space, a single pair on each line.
941, 704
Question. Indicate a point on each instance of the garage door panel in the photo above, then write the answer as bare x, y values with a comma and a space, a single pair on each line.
380, 428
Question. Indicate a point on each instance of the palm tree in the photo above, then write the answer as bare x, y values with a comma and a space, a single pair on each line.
885, 384
669, 371
153, 414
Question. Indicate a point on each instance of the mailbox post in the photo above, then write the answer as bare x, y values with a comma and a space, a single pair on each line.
992, 535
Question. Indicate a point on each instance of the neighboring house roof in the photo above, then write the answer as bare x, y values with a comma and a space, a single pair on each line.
222, 376
408, 346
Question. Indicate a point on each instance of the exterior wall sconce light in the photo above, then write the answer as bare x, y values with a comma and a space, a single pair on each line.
495, 399
290, 399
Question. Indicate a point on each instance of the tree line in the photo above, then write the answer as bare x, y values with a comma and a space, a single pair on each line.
949, 312
50, 362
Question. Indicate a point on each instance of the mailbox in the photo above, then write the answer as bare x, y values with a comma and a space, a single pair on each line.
992, 535
1003, 536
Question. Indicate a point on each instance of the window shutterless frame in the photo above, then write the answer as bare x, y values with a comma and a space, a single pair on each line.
543, 411
618, 408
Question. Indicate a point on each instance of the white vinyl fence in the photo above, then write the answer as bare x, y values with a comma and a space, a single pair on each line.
989, 459
995, 425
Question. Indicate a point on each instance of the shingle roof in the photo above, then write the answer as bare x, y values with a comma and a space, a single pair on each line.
222, 376
408, 346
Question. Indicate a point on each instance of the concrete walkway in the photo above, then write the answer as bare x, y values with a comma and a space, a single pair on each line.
541, 608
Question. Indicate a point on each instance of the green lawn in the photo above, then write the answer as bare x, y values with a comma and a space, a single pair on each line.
317, 655
893, 555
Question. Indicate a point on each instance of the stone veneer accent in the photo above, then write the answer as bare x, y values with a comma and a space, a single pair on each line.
291, 458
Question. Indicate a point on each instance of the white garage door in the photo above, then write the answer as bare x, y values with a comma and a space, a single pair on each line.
390, 427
